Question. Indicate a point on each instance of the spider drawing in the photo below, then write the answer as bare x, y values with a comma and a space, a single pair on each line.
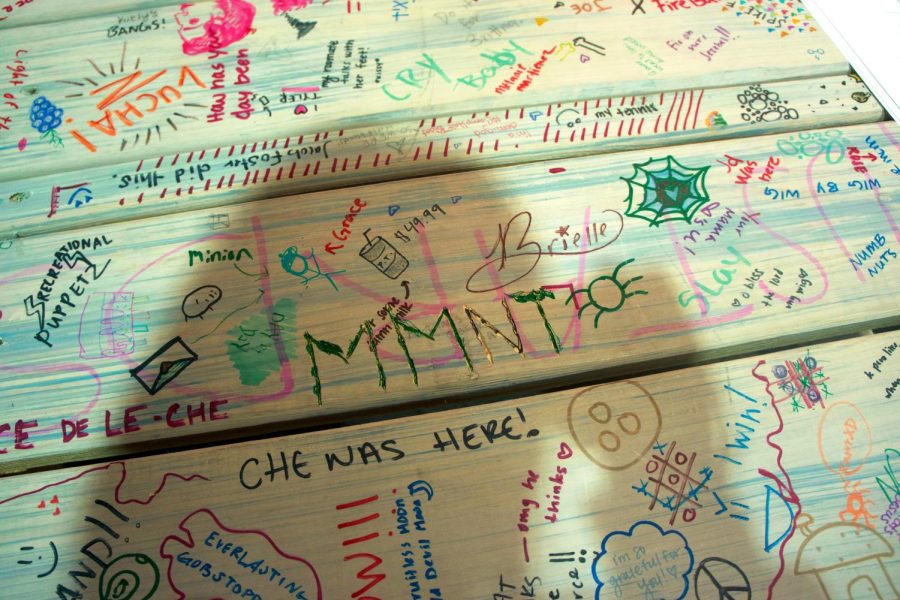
291, 256
598, 288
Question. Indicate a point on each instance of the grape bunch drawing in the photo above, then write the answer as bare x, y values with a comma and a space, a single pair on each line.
45, 118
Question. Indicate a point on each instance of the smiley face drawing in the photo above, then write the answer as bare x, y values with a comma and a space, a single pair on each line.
383, 256
614, 424
570, 118
40, 559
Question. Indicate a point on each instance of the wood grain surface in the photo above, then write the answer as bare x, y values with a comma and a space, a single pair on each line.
121, 86
499, 300
286, 310
762, 477
156, 185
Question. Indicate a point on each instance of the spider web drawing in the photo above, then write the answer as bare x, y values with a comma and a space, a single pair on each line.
664, 190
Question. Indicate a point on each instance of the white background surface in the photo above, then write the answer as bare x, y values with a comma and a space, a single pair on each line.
868, 33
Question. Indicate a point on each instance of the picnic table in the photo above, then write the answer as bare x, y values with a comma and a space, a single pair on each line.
459, 299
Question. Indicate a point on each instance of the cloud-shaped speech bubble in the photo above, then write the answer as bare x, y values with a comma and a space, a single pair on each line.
643, 562
197, 303
217, 561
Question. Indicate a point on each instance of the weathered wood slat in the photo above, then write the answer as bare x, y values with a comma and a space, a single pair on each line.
188, 83
156, 185
139, 320
770, 477
22, 13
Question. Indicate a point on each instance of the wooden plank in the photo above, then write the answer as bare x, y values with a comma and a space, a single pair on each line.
139, 320
22, 13
156, 185
770, 477
179, 88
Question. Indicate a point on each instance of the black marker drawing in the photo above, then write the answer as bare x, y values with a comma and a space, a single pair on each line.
721, 580
570, 117
383, 256
760, 104
302, 27
28, 550
583, 43
166, 364
219, 221
200, 301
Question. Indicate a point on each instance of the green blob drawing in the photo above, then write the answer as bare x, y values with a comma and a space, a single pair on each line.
252, 345
665, 190
129, 577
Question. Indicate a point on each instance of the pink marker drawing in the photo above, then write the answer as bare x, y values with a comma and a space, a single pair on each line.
283, 6
300, 89
211, 28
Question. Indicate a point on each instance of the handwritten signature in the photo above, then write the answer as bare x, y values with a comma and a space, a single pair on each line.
513, 255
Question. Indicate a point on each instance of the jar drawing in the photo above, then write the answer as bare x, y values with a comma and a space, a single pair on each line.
383, 256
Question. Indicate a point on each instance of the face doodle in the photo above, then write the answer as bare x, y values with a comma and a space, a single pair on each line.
570, 117
385, 260
205, 29
306, 267
46, 561
201, 300
614, 424
383, 256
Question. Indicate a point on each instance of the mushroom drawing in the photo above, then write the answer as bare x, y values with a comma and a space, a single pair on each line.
846, 558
